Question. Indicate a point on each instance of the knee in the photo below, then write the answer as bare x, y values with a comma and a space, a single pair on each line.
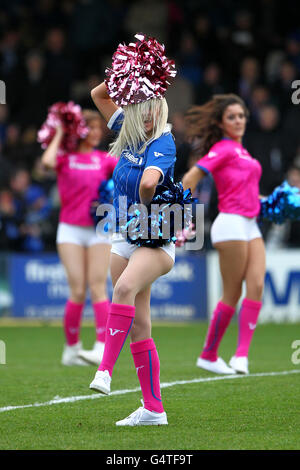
123, 290
97, 290
78, 294
231, 297
255, 289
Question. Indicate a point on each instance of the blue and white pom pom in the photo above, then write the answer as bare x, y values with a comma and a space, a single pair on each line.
281, 205
149, 227
105, 196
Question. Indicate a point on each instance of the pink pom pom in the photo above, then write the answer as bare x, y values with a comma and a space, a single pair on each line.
140, 72
69, 115
184, 235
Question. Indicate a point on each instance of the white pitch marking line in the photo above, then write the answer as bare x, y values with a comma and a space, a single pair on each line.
58, 400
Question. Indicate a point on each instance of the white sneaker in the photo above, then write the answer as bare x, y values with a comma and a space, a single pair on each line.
218, 367
70, 355
143, 417
94, 356
239, 364
101, 382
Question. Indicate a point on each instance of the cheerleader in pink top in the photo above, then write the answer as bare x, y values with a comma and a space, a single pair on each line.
84, 253
220, 124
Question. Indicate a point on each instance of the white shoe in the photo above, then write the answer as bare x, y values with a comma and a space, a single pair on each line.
94, 356
143, 417
218, 367
101, 382
70, 355
239, 364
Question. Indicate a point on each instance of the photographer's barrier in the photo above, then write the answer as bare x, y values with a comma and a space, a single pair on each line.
35, 287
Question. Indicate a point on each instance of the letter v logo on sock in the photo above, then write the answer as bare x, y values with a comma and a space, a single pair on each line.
73, 331
252, 326
114, 331
101, 329
138, 368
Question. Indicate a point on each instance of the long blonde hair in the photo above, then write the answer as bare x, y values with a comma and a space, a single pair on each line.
132, 133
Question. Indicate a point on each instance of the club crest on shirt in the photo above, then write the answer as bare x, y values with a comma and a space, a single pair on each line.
212, 154
242, 153
132, 158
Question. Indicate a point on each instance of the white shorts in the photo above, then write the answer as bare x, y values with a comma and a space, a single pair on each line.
122, 248
228, 227
83, 236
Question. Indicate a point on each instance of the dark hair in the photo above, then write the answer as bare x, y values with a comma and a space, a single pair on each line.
203, 121
91, 115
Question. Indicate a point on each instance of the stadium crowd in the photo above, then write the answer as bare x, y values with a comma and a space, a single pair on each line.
56, 50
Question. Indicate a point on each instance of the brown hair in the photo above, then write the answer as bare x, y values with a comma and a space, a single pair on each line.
90, 115
203, 121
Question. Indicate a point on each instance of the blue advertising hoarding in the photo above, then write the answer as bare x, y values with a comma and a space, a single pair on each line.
39, 288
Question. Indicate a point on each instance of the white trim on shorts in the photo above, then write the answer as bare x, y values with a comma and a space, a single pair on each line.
83, 236
125, 249
228, 227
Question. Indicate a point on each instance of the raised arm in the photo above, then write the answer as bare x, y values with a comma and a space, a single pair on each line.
103, 101
50, 154
192, 178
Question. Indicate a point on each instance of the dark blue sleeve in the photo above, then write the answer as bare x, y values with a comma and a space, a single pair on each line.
161, 155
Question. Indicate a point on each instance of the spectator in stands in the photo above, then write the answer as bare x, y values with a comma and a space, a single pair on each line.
206, 39
260, 97
31, 209
212, 84
293, 49
189, 59
282, 88
59, 66
10, 236
10, 53
3, 123
12, 148
265, 144
149, 16
249, 77
32, 91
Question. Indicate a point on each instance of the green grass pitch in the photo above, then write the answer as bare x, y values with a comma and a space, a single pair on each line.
245, 413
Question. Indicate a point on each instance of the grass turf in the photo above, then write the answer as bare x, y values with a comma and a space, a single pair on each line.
246, 413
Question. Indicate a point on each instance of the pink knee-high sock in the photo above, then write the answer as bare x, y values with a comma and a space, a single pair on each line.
71, 321
248, 317
101, 315
146, 362
119, 323
219, 322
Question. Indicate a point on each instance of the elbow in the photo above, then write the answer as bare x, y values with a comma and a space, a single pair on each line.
148, 186
147, 191
186, 183
93, 93
46, 164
